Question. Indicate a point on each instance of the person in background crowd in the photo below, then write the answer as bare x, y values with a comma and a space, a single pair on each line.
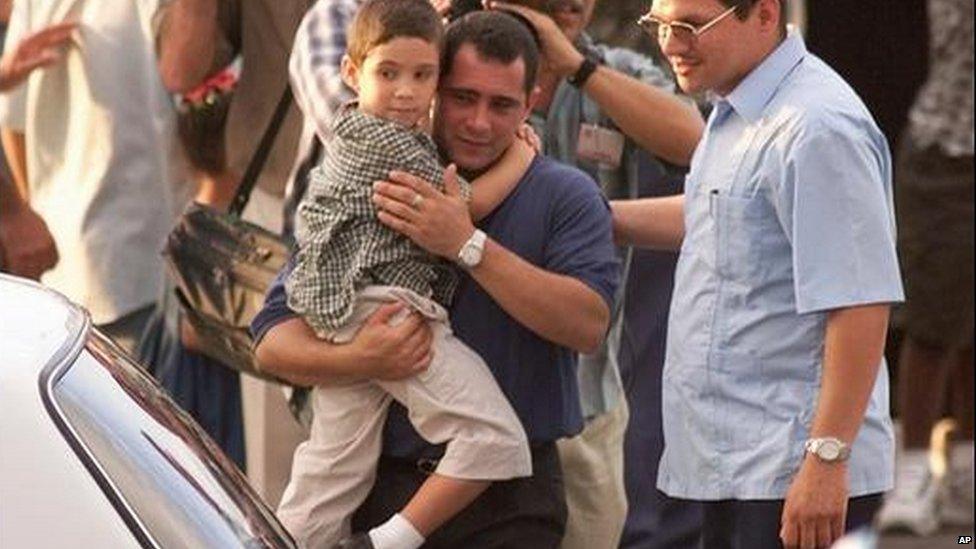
775, 390
197, 38
94, 158
934, 191
879, 49
203, 387
586, 117
26, 246
559, 285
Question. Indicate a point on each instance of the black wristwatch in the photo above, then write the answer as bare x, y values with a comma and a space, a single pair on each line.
586, 70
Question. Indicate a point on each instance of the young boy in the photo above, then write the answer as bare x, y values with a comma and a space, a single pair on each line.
348, 265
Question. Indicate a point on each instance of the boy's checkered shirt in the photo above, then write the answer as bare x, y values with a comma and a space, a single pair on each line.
342, 246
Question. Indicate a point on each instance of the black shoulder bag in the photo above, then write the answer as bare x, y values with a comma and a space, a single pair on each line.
223, 265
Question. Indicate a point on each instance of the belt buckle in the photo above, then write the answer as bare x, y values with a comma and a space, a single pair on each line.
427, 466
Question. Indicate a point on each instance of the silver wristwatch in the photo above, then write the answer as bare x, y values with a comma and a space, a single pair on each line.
470, 255
828, 449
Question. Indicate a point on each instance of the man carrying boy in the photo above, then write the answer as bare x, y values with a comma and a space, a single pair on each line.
540, 288
348, 264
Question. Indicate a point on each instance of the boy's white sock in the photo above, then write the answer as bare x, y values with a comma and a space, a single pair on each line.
396, 533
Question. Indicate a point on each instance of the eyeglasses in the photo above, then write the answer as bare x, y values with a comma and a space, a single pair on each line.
679, 30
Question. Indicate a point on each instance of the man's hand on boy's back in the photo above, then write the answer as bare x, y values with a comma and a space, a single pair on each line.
437, 222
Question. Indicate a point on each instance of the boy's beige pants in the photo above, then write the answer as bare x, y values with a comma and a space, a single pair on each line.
455, 401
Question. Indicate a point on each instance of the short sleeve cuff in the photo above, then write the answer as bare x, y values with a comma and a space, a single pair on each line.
809, 305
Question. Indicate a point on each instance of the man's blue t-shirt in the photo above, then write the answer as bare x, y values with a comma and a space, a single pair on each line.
556, 219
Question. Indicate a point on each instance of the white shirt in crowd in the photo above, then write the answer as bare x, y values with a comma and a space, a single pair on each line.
100, 152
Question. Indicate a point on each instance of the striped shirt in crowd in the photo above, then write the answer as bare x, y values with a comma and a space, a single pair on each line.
316, 58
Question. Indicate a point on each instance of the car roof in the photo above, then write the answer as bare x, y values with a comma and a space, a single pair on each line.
36, 324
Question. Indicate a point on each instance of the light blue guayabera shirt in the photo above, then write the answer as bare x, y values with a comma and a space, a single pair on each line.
788, 214
598, 374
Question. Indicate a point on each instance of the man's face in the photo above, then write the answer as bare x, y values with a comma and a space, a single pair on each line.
572, 16
481, 104
718, 59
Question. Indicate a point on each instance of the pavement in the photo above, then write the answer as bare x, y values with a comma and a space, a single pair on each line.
945, 538
948, 536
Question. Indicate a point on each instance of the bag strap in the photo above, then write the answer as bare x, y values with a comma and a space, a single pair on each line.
254, 168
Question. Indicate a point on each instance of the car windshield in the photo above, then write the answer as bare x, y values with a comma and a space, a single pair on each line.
166, 477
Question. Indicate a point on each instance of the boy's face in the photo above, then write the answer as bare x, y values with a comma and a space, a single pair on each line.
397, 80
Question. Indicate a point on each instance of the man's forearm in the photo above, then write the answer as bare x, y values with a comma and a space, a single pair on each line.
558, 308
15, 149
187, 43
292, 352
853, 349
656, 223
656, 120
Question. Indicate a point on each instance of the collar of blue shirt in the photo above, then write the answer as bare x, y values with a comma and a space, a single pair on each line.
750, 97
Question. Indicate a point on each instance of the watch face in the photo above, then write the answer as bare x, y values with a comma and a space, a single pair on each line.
829, 450
469, 256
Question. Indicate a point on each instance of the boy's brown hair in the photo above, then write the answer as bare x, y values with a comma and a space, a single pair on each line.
379, 21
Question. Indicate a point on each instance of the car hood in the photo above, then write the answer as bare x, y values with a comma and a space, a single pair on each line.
36, 324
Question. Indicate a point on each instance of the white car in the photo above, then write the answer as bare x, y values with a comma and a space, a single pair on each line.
93, 454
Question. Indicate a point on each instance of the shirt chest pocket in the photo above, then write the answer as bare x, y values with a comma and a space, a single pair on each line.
744, 228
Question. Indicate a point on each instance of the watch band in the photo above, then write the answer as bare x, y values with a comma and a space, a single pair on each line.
471, 252
586, 70
828, 449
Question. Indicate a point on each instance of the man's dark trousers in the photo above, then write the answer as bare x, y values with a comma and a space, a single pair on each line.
514, 514
653, 519
756, 524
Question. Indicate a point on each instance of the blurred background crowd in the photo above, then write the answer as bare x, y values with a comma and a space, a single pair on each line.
142, 106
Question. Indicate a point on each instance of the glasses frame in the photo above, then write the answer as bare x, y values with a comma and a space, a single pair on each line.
647, 21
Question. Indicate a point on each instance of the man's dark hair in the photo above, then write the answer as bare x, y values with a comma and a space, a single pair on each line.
495, 36
744, 8
379, 21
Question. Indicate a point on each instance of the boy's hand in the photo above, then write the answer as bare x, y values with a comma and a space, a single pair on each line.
527, 135
41, 49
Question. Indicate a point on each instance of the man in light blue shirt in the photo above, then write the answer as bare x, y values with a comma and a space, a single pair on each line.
775, 390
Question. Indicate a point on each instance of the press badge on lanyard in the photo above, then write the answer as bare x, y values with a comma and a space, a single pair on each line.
600, 145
